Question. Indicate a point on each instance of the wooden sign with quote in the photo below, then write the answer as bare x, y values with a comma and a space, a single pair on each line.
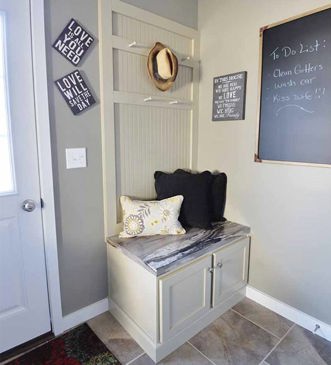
229, 97
75, 92
73, 42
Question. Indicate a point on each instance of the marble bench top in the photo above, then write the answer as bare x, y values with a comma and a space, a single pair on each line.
162, 254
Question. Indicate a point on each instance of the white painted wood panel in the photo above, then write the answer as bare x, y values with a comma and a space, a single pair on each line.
149, 139
230, 270
130, 75
123, 97
146, 34
11, 268
134, 290
124, 45
162, 133
184, 297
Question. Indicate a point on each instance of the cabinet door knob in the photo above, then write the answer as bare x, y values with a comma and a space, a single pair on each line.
210, 270
219, 265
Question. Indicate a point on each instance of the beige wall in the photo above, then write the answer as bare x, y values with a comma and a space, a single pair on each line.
78, 192
288, 207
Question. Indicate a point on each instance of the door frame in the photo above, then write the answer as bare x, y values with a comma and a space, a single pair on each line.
59, 322
38, 43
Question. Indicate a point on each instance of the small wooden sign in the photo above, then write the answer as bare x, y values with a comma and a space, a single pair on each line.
73, 42
229, 97
75, 92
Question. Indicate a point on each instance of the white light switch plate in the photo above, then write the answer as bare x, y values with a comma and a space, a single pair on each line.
75, 158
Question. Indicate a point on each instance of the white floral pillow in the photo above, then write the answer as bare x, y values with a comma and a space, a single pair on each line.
147, 218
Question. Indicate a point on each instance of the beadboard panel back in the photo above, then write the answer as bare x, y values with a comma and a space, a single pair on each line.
144, 129
133, 66
145, 34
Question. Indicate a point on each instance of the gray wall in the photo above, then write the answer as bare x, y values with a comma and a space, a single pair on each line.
288, 207
78, 192
181, 11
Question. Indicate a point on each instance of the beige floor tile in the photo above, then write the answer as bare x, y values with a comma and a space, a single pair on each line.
184, 355
263, 317
113, 335
301, 347
231, 339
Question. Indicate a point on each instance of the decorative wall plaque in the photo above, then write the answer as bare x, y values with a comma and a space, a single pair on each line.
229, 97
73, 42
75, 92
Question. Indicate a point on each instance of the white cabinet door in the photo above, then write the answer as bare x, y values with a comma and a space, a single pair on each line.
230, 270
24, 312
185, 296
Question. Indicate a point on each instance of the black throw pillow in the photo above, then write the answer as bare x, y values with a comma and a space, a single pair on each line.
196, 210
218, 194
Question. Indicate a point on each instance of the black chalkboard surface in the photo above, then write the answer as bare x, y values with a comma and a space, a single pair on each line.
295, 97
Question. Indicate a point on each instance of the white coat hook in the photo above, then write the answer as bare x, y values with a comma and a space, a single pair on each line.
173, 102
187, 58
135, 44
148, 99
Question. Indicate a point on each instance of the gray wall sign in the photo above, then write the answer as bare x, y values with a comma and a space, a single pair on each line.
229, 97
73, 42
75, 92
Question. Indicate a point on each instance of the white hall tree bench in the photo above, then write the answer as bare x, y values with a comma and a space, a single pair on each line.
165, 289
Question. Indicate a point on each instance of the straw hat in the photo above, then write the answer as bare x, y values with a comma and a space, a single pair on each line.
162, 66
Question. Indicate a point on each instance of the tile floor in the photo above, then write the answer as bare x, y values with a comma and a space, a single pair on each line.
248, 334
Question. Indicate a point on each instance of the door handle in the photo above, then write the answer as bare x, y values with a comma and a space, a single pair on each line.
219, 265
29, 205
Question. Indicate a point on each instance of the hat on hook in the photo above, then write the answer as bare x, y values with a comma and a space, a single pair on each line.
162, 66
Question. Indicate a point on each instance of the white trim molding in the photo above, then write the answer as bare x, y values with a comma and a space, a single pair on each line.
45, 161
82, 315
60, 323
295, 315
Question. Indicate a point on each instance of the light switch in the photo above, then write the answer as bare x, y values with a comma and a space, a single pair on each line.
75, 158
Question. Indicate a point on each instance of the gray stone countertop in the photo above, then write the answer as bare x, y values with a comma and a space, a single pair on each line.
162, 254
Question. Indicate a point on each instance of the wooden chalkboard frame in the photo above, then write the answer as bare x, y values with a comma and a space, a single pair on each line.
262, 29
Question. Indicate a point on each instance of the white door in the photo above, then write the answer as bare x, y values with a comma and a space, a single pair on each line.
230, 270
184, 297
24, 312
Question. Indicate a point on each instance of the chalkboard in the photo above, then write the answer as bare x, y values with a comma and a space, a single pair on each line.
295, 96
229, 97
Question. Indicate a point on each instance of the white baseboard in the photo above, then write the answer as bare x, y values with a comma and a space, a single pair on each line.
295, 315
82, 315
